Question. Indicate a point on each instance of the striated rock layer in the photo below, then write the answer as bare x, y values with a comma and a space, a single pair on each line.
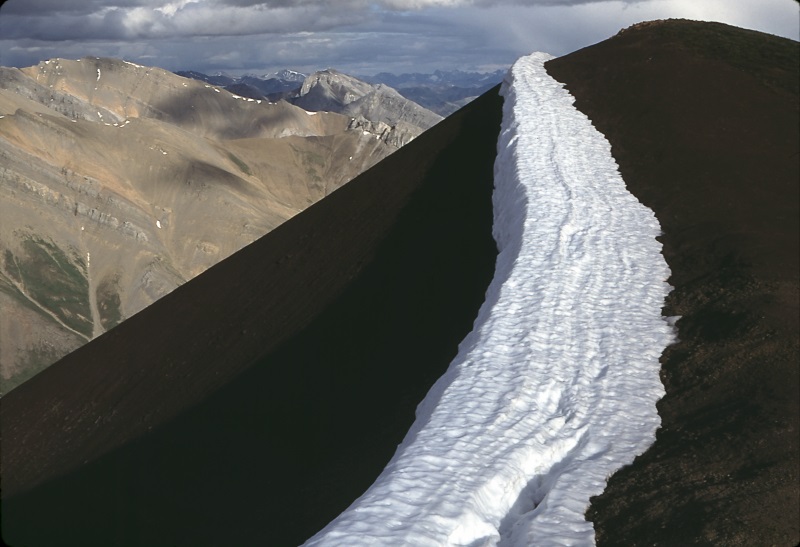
120, 182
377, 109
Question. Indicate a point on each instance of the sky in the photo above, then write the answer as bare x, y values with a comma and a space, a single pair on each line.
360, 37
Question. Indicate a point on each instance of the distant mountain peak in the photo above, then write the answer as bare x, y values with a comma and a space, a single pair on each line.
442, 91
286, 75
333, 91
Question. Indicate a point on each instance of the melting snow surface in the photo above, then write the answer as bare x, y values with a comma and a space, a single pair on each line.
555, 388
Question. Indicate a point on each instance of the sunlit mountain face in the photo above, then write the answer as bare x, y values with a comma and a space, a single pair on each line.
121, 182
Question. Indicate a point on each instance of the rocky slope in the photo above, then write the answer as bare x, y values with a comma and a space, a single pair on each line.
373, 108
119, 182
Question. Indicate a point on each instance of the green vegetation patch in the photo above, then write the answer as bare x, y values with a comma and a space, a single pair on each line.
311, 161
10, 266
243, 167
56, 281
313, 158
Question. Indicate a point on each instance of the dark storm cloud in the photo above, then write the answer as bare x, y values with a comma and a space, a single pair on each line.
58, 20
144, 19
53, 7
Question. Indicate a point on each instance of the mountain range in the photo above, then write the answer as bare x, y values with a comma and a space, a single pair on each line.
254, 403
442, 92
120, 182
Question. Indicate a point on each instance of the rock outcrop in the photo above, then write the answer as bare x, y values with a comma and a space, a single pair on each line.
378, 109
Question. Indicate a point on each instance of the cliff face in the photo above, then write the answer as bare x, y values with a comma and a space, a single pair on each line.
375, 108
120, 182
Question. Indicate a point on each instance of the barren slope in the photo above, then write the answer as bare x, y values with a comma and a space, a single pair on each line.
703, 120
120, 182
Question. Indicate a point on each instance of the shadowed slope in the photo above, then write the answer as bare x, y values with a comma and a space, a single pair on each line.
703, 122
345, 315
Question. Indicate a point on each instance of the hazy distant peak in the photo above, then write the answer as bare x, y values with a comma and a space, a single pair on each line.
457, 78
336, 85
286, 75
330, 90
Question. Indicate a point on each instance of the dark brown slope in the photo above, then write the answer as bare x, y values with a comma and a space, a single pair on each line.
703, 121
254, 403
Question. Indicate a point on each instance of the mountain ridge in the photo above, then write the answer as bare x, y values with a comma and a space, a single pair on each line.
723, 468
702, 119
120, 182
442, 92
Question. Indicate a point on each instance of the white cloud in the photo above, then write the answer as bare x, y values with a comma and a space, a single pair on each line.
172, 7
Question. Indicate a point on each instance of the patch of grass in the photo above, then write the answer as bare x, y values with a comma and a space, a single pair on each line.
243, 167
314, 158
311, 162
10, 266
56, 281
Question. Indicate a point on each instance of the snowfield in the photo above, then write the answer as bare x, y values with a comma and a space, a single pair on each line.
555, 388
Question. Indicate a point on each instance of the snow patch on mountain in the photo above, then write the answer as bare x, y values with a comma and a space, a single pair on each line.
555, 388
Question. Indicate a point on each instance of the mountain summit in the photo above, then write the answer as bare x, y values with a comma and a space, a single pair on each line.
375, 108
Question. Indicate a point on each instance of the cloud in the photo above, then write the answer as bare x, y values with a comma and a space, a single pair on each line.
148, 19
48, 8
352, 35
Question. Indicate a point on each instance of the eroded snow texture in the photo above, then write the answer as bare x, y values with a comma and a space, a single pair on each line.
556, 386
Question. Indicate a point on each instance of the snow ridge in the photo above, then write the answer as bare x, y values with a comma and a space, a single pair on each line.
555, 388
